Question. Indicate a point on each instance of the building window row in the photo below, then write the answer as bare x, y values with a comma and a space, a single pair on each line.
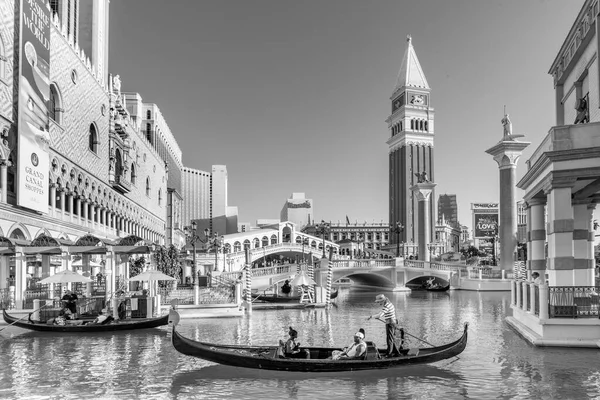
419, 125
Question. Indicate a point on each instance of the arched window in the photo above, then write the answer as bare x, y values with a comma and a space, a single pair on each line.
237, 247
273, 239
265, 241
246, 244
148, 114
412, 124
256, 243
133, 175
148, 186
93, 138
55, 106
159, 196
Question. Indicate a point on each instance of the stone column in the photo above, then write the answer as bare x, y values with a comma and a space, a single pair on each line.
507, 153
52, 199
78, 208
536, 237
70, 200
560, 227
423, 192
4, 180
582, 251
62, 202
20, 277
84, 213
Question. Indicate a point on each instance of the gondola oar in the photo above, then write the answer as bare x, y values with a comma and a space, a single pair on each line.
26, 316
406, 333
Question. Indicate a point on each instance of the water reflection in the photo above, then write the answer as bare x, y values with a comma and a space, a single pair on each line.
496, 363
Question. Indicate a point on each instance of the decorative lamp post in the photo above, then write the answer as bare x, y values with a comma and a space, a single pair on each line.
304, 243
397, 229
215, 242
323, 229
192, 238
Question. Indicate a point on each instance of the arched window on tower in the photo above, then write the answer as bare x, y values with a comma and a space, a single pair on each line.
148, 114
426, 126
148, 186
159, 197
93, 138
412, 124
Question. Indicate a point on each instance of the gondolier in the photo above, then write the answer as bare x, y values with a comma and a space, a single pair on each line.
388, 315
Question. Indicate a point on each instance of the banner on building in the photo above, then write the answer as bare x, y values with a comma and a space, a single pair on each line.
34, 96
486, 225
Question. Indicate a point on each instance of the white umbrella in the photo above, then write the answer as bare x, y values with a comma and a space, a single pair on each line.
152, 275
65, 276
302, 279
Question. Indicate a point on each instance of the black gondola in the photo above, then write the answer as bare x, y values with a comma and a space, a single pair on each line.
272, 298
266, 357
126, 325
438, 288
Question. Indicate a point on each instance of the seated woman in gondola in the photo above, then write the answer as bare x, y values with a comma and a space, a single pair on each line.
291, 349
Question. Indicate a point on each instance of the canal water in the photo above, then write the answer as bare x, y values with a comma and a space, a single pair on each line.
497, 363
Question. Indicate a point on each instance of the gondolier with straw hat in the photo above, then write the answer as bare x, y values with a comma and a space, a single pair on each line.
388, 315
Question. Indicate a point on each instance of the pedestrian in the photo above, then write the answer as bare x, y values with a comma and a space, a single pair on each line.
388, 315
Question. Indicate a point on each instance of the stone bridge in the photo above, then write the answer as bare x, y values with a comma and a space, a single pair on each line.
392, 274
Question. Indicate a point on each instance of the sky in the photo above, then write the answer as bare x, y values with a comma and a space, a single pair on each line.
292, 96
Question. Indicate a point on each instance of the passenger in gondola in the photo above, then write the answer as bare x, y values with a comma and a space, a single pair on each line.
286, 288
70, 302
291, 349
355, 351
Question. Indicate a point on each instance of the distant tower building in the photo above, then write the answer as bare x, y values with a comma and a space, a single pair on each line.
205, 200
298, 210
448, 209
410, 145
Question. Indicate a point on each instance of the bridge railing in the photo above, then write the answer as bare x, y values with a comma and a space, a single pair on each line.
363, 263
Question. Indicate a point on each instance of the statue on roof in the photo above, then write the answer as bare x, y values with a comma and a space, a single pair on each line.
117, 83
421, 177
507, 125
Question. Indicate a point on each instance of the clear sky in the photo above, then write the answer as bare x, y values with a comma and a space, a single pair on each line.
292, 96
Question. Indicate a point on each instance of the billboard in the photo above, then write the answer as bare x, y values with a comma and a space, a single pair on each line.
34, 96
486, 225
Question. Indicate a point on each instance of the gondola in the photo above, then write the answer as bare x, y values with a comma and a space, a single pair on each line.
266, 357
273, 298
126, 325
437, 288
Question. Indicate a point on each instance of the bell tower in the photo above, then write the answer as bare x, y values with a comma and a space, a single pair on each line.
410, 144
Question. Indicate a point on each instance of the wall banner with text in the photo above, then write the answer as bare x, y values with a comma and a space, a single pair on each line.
34, 96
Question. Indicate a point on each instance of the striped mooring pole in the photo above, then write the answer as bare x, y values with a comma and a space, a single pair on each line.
248, 272
329, 278
311, 275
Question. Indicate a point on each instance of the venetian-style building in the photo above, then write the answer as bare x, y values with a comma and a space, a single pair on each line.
355, 238
410, 145
81, 177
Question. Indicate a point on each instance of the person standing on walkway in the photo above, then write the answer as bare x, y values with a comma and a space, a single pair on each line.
388, 315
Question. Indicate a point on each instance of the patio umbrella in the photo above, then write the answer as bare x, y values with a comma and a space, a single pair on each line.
302, 279
152, 275
65, 276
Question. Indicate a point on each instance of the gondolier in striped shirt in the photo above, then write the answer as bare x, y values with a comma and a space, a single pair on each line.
388, 315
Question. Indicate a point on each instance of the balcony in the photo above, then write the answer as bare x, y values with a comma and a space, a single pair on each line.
121, 184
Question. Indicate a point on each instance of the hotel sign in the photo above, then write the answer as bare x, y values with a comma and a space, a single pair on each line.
34, 96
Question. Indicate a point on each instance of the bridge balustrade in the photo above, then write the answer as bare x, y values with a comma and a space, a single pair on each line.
556, 301
363, 263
